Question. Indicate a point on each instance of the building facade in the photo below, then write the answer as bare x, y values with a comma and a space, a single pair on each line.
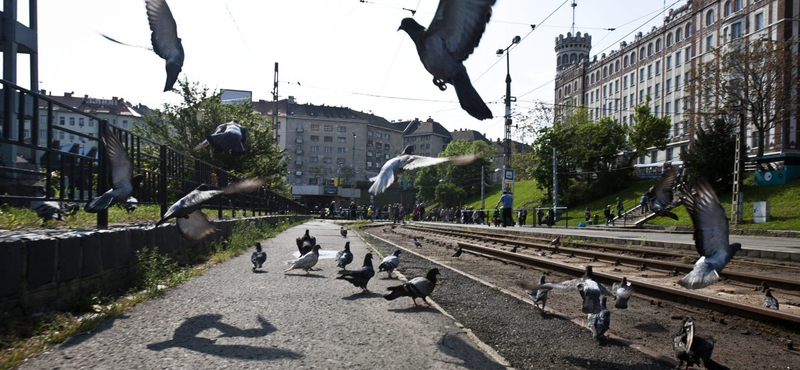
657, 65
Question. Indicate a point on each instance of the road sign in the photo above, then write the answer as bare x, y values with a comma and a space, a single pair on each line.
508, 175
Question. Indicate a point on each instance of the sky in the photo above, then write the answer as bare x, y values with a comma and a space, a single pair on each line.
332, 52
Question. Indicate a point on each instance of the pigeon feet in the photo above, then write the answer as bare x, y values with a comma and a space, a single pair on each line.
439, 83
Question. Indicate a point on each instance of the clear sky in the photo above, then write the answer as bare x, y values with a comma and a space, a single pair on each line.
331, 52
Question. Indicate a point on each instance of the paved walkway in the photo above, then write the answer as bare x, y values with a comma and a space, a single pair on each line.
233, 318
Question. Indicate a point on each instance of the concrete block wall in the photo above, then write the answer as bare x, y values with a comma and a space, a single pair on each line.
40, 272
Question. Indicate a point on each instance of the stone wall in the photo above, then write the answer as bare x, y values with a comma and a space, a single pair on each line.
39, 271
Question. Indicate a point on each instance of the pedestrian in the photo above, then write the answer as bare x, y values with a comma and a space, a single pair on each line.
539, 214
396, 213
587, 214
609, 215
524, 216
519, 217
551, 217
507, 201
619, 207
643, 203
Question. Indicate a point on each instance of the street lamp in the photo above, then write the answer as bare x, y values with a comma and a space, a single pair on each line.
508, 100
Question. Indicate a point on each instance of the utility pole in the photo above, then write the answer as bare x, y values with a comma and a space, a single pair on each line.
275, 107
483, 191
555, 180
738, 169
508, 100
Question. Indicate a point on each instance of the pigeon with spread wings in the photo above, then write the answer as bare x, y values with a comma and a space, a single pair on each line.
392, 169
453, 34
589, 289
164, 37
123, 183
192, 222
711, 237
228, 136
660, 195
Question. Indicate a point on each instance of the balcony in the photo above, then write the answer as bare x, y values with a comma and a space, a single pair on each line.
299, 140
298, 151
299, 129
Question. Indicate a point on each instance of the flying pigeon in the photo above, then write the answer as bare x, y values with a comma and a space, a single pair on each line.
390, 263
164, 37
305, 262
343, 231
305, 242
417, 243
392, 169
694, 349
599, 322
123, 183
660, 195
344, 257
193, 223
589, 289
131, 205
453, 34
622, 292
710, 236
539, 295
359, 277
259, 257
418, 287
228, 136
50, 210
769, 300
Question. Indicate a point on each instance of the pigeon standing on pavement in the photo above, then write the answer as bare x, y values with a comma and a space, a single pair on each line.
360, 277
343, 231
50, 210
418, 287
192, 223
417, 243
694, 349
164, 37
769, 300
555, 242
661, 195
123, 183
392, 169
622, 292
305, 262
539, 296
390, 263
453, 34
711, 237
228, 136
344, 257
599, 322
259, 257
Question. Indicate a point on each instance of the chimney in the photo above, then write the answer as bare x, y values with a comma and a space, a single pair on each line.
68, 94
43, 92
291, 99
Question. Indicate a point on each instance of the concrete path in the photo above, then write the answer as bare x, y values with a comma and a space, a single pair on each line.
232, 318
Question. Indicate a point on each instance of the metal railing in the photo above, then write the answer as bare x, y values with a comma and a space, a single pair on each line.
75, 172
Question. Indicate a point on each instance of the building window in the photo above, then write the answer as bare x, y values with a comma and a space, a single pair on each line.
633, 57
625, 62
61, 135
728, 8
654, 156
341, 128
378, 135
72, 121
688, 29
709, 18
327, 139
669, 39
641, 95
668, 87
341, 150
677, 58
641, 52
616, 86
314, 127
678, 35
314, 149
668, 108
314, 159
314, 138
641, 74
688, 55
658, 90
328, 149
669, 154
677, 106
650, 49
709, 42
42, 118
340, 161
649, 71
737, 5
340, 139
327, 160
369, 153
71, 137
387, 137
369, 133
759, 21
658, 45
658, 67
736, 30
669, 62
625, 82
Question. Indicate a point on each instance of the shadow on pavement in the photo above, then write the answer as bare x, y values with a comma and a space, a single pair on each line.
651, 327
595, 365
186, 337
361, 295
107, 324
471, 358
413, 309
305, 275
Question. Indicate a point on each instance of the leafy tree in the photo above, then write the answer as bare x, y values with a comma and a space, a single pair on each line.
753, 78
426, 181
468, 177
711, 155
184, 125
647, 131
449, 194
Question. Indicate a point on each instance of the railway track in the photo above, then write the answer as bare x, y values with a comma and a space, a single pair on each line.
533, 253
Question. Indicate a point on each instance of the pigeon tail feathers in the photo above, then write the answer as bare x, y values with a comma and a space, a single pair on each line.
468, 97
100, 203
701, 276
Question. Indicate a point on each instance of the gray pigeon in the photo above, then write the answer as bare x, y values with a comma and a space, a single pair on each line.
622, 292
343, 231
344, 257
123, 183
418, 287
228, 136
305, 262
589, 289
193, 223
599, 322
539, 296
390, 263
694, 349
359, 277
164, 38
660, 195
555, 242
392, 169
305, 243
417, 243
131, 205
769, 300
453, 34
259, 257
710, 236
50, 210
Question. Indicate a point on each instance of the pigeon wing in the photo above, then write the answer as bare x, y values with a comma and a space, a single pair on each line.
195, 227
385, 178
121, 163
420, 161
164, 30
663, 190
564, 285
709, 219
460, 23
245, 186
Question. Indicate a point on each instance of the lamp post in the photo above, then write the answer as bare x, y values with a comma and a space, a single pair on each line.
508, 100
355, 177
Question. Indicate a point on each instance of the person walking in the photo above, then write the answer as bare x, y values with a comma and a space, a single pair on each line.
551, 217
587, 214
643, 203
619, 207
609, 215
507, 200
539, 215
524, 217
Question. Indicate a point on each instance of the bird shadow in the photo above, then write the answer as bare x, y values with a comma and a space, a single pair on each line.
306, 275
413, 309
186, 336
586, 363
389, 278
105, 325
651, 327
470, 358
361, 295
259, 272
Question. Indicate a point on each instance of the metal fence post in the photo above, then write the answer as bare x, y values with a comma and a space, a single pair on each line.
162, 179
102, 171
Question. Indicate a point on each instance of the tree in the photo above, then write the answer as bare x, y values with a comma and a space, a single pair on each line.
532, 121
647, 131
711, 155
467, 177
184, 125
449, 194
753, 78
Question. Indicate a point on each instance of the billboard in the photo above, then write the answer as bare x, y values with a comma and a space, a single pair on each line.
236, 96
